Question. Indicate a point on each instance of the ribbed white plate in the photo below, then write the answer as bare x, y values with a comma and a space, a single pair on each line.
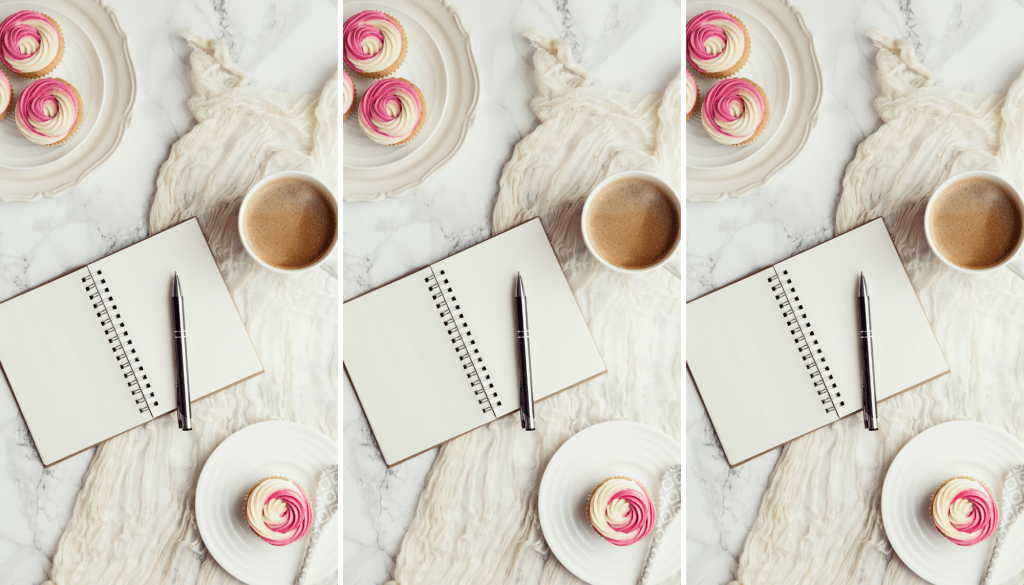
81, 67
424, 67
451, 40
767, 67
955, 448
787, 28
106, 118
261, 450
594, 454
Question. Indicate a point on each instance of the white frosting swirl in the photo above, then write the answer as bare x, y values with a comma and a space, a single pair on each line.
348, 93
5, 93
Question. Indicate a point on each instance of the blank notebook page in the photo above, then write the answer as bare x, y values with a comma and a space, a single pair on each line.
767, 375
403, 340
61, 359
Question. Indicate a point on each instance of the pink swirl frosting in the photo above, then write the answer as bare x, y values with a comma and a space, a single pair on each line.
278, 511
373, 41
47, 110
29, 41
965, 511
715, 41
732, 111
390, 111
621, 511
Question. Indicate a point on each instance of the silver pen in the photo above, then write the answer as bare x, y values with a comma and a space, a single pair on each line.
867, 357
182, 393
525, 371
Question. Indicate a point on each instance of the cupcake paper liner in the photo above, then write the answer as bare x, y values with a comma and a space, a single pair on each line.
53, 64
743, 58
696, 102
398, 62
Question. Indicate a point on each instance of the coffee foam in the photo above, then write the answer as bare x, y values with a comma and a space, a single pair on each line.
633, 223
975, 223
290, 223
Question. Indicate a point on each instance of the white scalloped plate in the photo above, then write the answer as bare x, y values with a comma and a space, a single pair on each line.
768, 68
424, 67
442, 23
80, 66
788, 28
589, 457
108, 114
955, 448
277, 447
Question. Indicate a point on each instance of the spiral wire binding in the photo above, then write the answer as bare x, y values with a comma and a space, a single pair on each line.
455, 322
800, 328
117, 335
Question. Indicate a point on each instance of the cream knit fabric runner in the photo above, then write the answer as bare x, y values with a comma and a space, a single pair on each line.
476, 521
134, 520
820, 519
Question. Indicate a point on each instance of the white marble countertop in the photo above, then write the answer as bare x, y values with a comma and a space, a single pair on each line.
452, 211
285, 45
970, 46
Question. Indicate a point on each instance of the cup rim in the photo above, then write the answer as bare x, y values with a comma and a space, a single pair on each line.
625, 175
286, 175
942, 187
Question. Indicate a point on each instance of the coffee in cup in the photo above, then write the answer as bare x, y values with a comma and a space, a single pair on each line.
976, 223
632, 223
290, 223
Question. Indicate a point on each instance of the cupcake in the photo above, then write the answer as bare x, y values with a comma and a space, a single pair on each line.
348, 95
392, 111
278, 510
375, 44
49, 111
692, 95
621, 510
31, 44
6, 99
964, 510
717, 44
735, 111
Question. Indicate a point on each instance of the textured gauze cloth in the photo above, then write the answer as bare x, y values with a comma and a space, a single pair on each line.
476, 521
821, 519
134, 520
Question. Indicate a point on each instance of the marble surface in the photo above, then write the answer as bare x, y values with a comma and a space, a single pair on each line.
41, 240
387, 239
725, 241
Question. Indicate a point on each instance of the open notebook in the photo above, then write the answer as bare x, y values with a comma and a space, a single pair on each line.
776, 355
432, 355
89, 355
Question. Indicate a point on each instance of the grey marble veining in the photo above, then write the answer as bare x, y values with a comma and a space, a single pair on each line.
286, 45
970, 46
628, 45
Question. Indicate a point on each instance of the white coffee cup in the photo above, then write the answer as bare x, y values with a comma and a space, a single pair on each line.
670, 261
328, 267
1013, 261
